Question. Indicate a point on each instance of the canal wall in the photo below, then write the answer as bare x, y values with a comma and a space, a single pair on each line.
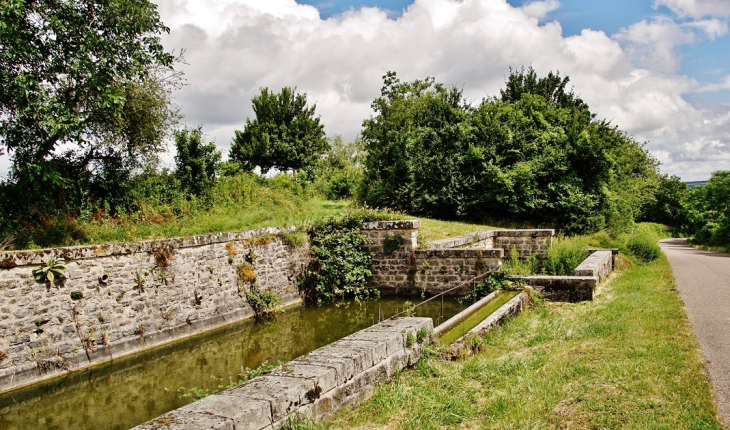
119, 299
402, 266
582, 285
341, 374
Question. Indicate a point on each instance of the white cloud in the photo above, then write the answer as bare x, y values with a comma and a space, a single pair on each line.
234, 47
540, 9
696, 8
713, 28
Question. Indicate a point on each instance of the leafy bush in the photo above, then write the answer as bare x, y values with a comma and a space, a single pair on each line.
340, 266
265, 303
344, 183
643, 248
391, 243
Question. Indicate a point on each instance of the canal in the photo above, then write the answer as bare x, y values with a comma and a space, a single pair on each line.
130, 391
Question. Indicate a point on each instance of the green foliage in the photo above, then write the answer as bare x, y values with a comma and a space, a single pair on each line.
667, 208
496, 281
284, 135
265, 303
340, 265
77, 127
514, 265
536, 155
410, 340
52, 269
644, 248
708, 211
77, 295
391, 243
421, 335
197, 164
564, 256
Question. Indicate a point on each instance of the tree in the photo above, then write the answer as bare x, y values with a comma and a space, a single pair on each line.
284, 135
534, 155
197, 163
87, 76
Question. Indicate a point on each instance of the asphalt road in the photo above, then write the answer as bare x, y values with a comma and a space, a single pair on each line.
703, 280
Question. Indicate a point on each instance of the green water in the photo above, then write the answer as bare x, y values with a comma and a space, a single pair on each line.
130, 391
453, 334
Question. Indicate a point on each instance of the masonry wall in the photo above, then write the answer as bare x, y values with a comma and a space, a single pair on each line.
155, 292
409, 270
444, 263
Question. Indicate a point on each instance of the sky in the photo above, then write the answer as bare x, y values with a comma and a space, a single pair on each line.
658, 69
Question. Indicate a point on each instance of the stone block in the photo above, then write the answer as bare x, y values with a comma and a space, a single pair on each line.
285, 394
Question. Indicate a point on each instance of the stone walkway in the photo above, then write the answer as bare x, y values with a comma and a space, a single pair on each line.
703, 280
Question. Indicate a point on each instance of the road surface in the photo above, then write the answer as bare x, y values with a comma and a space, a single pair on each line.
703, 280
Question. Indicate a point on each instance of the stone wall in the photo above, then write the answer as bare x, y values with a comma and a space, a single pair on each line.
135, 296
444, 263
341, 374
409, 270
599, 263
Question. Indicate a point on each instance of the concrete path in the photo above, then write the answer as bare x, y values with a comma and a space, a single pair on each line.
703, 280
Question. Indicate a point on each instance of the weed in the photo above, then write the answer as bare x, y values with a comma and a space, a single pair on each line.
139, 281
231, 249
51, 269
163, 256
391, 243
410, 340
421, 335
246, 272
139, 331
76, 295
294, 239
265, 303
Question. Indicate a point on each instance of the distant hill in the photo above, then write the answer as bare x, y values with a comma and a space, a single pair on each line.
694, 184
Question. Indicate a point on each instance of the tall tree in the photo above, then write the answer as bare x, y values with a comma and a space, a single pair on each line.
85, 76
284, 135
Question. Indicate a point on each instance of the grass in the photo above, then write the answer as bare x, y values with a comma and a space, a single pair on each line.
432, 229
626, 360
270, 213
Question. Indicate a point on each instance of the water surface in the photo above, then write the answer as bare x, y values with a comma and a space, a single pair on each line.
130, 391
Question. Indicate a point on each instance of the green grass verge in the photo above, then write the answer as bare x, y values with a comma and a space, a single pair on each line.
626, 360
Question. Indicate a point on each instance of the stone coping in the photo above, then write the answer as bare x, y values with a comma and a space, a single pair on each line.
464, 239
36, 256
392, 225
512, 307
481, 235
592, 265
562, 288
315, 385
446, 325
491, 253
614, 251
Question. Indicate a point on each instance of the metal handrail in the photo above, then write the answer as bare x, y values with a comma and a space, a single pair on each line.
473, 282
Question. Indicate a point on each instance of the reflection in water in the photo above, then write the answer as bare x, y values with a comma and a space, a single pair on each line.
131, 391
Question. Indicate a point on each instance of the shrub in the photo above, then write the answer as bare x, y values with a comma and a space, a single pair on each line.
391, 243
643, 248
513, 265
265, 303
340, 264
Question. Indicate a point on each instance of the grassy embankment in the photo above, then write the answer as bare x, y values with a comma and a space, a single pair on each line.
626, 360
238, 203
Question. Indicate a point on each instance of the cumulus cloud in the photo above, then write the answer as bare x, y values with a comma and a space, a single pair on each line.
696, 8
540, 9
235, 47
